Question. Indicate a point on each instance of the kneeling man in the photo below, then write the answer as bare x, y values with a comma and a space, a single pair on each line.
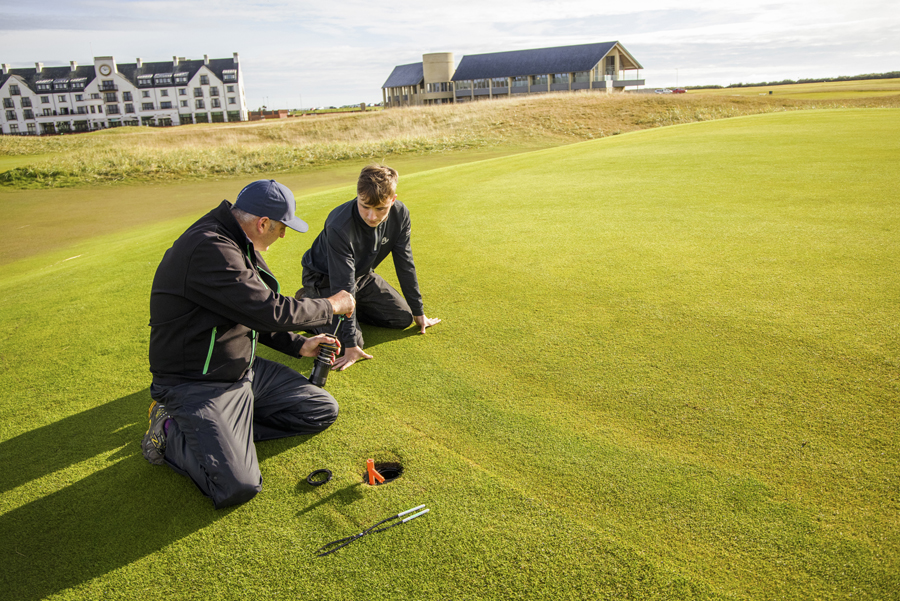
358, 235
212, 301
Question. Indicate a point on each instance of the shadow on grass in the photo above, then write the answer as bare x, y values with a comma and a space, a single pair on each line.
118, 514
344, 496
112, 517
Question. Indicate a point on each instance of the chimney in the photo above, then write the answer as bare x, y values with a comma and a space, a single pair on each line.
174, 61
139, 62
74, 65
5, 68
236, 61
38, 67
205, 59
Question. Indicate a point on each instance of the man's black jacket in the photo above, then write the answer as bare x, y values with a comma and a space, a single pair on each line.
213, 298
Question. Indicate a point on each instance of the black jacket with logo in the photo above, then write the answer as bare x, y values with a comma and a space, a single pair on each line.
348, 248
213, 298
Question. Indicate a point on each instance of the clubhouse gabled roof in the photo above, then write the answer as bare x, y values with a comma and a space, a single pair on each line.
405, 75
538, 61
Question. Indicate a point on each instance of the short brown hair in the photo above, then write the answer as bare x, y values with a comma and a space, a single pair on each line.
377, 183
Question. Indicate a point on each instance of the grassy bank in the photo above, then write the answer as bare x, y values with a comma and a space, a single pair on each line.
208, 151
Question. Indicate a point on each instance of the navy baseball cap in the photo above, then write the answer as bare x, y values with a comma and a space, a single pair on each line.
268, 198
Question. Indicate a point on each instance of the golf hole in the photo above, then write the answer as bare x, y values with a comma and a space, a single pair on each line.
390, 471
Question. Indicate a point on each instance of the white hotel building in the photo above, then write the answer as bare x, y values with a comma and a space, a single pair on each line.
49, 100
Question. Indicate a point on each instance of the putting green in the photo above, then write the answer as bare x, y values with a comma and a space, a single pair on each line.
667, 369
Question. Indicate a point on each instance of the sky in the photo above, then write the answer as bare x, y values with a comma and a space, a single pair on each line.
300, 54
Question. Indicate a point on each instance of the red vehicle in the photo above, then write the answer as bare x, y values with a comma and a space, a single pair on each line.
678, 91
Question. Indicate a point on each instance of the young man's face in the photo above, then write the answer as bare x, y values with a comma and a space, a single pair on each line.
373, 216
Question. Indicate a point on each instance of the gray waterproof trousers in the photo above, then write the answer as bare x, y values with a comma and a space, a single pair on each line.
216, 424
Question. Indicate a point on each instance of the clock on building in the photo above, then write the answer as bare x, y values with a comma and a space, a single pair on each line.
105, 70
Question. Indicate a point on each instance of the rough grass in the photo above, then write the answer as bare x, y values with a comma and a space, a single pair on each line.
668, 369
205, 151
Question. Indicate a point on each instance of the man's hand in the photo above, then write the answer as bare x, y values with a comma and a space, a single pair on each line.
425, 322
351, 356
310, 348
342, 303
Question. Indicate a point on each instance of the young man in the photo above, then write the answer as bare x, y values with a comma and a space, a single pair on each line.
213, 299
357, 237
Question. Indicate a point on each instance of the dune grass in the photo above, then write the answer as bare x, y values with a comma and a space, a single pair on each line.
826, 90
667, 370
221, 150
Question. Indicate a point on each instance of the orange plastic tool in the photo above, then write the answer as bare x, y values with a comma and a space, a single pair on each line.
373, 473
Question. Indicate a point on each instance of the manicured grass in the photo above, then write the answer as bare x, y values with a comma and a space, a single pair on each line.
667, 370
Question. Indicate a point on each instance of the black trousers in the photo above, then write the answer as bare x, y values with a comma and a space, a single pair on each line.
377, 304
216, 425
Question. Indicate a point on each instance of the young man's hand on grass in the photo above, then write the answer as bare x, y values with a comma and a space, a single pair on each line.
351, 356
425, 322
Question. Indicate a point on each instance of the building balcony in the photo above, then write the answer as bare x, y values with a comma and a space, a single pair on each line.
109, 87
622, 83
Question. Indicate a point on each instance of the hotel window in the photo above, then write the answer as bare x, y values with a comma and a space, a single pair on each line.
163, 79
182, 92
146, 106
45, 99
229, 75
232, 100
214, 91
13, 128
78, 84
11, 116
8, 103
199, 104
110, 97
129, 108
29, 114
47, 113
145, 80
112, 109
164, 92
26, 102
184, 103
61, 84
181, 78
198, 92
80, 97
165, 105
93, 110
64, 111
13, 90
44, 85
145, 93
95, 96
204, 80
214, 103
82, 110
229, 89
61, 97
32, 128
126, 96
